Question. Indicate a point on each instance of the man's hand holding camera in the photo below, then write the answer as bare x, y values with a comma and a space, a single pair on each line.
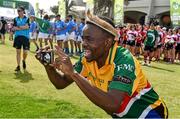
62, 62
45, 56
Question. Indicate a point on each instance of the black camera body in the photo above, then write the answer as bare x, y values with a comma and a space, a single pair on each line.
47, 57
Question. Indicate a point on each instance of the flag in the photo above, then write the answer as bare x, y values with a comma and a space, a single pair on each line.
175, 12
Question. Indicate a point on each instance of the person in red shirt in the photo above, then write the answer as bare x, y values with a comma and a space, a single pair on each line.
120, 32
139, 40
124, 36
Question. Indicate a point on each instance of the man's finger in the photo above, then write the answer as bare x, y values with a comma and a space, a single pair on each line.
60, 51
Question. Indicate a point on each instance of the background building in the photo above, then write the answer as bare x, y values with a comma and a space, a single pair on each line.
142, 11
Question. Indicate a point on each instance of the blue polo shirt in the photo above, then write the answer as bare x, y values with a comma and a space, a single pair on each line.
60, 25
33, 27
21, 22
70, 26
80, 29
52, 28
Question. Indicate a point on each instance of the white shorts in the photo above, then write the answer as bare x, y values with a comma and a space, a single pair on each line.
51, 36
71, 36
79, 38
61, 37
32, 36
43, 35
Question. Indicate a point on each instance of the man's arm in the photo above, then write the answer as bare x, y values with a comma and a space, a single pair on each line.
58, 80
21, 27
25, 26
15, 27
109, 101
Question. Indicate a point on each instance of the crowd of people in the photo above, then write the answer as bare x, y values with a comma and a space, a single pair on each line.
48, 30
151, 42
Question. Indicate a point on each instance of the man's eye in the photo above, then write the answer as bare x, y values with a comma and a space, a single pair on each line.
86, 38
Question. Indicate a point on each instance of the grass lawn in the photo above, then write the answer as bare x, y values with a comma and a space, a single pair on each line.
30, 93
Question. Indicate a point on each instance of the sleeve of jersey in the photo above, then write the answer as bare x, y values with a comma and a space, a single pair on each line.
39, 21
124, 75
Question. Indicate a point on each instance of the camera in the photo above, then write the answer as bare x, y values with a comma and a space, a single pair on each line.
47, 57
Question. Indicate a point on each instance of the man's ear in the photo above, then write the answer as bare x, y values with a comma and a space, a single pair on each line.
108, 42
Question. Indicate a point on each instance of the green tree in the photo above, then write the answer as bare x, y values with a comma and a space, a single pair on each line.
54, 9
104, 8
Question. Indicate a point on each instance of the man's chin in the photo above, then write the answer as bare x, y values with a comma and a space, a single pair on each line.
88, 59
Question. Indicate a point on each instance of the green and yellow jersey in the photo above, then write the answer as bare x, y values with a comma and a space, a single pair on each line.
123, 72
152, 36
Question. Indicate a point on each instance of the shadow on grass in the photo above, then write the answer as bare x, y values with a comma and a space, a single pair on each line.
154, 67
24, 76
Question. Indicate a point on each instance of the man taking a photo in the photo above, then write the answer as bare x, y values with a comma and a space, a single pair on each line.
107, 74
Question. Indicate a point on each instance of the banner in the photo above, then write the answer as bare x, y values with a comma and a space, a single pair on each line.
175, 12
62, 8
119, 12
13, 4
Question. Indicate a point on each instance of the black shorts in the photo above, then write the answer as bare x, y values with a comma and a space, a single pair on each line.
131, 43
178, 48
138, 44
3, 32
149, 48
159, 46
20, 41
169, 46
124, 42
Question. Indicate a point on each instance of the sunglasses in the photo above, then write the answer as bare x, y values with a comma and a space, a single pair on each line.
19, 10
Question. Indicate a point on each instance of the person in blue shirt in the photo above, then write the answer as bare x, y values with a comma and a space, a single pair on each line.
60, 28
71, 27
32, 32
79, 35
21, 39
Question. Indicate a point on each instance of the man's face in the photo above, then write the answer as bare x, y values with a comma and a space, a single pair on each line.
82, 21
69, 18
57, 18
94, 42
32, 19
20, 12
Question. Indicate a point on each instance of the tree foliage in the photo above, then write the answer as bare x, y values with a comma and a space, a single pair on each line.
104, 8
54, 9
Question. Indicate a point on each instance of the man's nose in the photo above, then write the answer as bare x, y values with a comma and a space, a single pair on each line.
84, 43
